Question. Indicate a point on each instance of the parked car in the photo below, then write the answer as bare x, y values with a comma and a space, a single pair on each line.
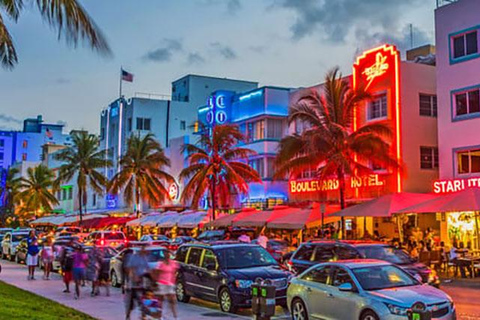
277, 248
364, 289
399, 257
220, 234
58, 246
178, 241
10, 242
106, 238
3, 231
318, 251
223, 272
69, 230
156, 239
154, 255
21, 251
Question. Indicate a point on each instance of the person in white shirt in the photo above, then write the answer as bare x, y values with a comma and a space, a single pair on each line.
262, 240
244, 238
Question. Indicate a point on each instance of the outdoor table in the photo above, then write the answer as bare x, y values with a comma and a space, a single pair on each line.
462, 252
470, 260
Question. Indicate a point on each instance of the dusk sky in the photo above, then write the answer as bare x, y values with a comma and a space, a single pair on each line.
275, 42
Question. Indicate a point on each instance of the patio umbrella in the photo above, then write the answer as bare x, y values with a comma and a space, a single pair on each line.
191, 220
261, 218
465, 200
385, 206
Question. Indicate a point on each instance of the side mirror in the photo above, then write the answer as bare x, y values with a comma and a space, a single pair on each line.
346, 287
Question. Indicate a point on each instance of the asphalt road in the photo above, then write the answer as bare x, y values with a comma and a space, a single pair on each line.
465, 293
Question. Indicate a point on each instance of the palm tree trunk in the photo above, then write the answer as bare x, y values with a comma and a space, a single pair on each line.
80, 204
341, 180
85, 201
214, 200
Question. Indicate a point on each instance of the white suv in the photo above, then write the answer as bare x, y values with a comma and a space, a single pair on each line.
106, 238
10, 243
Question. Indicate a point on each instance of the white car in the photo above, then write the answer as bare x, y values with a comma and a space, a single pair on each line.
10, 242
365, 290
106, 238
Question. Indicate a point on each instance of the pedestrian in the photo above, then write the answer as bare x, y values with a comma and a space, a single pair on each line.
166, 280
80, 259
32, 254
104, 274
93, 268
244, 237
47, 259
262, 240
66, 262
137, 268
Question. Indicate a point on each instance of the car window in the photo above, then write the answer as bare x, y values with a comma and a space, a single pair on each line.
155, 255
237, 257
143, 238
323, 253
341, 277
209, 259
181, 254
346, 252
383, 277
194, 256
113, 236
319, 275
305, 252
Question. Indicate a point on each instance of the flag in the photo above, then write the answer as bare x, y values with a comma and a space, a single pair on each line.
48, 133
127, 76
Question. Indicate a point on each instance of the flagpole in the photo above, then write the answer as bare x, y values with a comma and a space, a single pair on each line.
120, 90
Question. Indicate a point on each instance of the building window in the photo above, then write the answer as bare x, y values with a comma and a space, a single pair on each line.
64, 194
270, 167
467, 102
465, 44
70, 193
255, 131
275, 128
257, 164
377, 109
428, 105
129, 124
468, 161
2, 143
428, 157
94, 200
1, 156
183, 125
59, 195
143, 124
24, 157
25, 143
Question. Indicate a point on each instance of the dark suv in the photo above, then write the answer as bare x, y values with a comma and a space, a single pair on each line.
223, 272
314, 252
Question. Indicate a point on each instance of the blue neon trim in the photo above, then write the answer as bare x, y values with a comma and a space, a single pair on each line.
251, 95
466, 57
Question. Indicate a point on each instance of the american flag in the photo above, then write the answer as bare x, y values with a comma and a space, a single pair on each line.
127, 76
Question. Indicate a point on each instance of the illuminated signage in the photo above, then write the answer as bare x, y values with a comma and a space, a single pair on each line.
111, 200
379, 68
173, 191
250, 95
454, 185
217, 109
308, 186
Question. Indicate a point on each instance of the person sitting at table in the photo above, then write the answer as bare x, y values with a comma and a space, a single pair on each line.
454, 258
414, 251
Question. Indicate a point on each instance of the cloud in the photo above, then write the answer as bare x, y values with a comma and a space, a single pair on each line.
225, 51
195, 58
62, 80
258, 49
233, 6
10, 119
335, 20
165, 52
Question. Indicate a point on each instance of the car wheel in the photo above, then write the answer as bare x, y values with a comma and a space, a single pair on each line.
369, 315
115, 281
226, 302
299, 311
181, 293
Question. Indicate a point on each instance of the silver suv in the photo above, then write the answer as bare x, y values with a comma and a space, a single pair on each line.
10, 242
365, 290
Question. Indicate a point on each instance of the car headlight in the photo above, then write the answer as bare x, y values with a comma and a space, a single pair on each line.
243, 284
397, 310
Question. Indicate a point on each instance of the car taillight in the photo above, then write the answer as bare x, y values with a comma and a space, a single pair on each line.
125, 241
102, 242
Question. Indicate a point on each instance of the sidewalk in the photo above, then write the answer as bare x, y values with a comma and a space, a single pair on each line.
101, 307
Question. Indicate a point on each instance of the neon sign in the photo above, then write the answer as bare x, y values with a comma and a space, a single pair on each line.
309, 186
455, 185
217, 109
379, 68
173, 191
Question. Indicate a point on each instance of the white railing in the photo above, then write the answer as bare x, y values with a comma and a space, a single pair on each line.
441, 3
154, 96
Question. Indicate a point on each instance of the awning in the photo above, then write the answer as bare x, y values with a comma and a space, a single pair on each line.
261, 218
300, 218
384, 206
142, 220
229, 219
168, 220
465, 200
191, 220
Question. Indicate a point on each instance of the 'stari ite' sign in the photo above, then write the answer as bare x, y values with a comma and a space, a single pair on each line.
454, 185
308, 186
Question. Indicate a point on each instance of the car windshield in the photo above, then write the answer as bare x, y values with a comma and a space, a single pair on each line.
18, 237
159, 237
156, 255
385, 253
383, 277
211, 234
277, 244
114, 236
251, 256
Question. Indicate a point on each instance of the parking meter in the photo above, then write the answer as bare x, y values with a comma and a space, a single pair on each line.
267, 299
256, 296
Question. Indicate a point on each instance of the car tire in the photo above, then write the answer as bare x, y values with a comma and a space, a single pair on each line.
299, 311
115, 280
226, 302
181, 293
369, 315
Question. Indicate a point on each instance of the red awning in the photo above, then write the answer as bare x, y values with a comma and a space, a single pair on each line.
228, 220
100, 223
465, 200
309, 217
386, 205
261, 218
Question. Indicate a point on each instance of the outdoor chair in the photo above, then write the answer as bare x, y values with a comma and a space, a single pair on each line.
435, 259
424, 257
448, 264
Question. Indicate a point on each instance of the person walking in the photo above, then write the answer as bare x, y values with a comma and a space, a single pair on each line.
93, 268
32, 254
47, 259
244, 237
66, 262
166, 280
262, 240
136, 267
79, 264
104, 274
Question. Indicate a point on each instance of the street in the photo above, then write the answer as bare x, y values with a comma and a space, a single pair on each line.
463, 293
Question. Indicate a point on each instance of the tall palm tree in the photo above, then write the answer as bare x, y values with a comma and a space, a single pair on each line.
218, 166
9, 192
142, 175
67, 17
85, 161
329, 143
36, 193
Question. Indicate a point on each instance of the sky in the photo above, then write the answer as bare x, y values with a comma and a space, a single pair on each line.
290, 43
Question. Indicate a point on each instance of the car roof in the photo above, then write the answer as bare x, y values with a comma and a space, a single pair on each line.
20, 232
220, 244
360, 263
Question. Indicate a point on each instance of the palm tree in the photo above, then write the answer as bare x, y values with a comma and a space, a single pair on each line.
217, 166
84, 160
36, 190
9, 192
142, 175
67, 17
329, 143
